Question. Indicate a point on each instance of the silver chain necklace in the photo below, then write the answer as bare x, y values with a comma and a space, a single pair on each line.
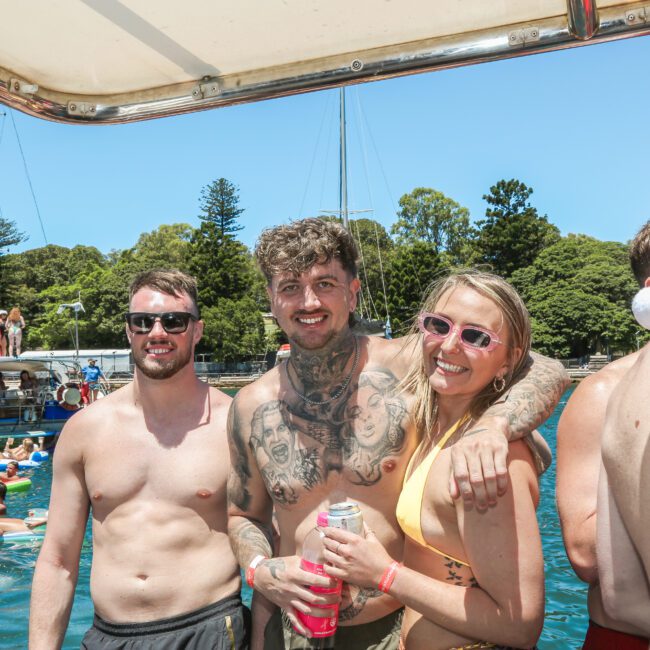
338, 392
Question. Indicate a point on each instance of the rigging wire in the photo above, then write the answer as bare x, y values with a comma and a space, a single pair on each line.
369, 300
364, 122
328, 146
313, 158
29, 180
381, 167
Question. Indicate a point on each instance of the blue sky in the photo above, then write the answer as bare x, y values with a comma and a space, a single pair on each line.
573, 125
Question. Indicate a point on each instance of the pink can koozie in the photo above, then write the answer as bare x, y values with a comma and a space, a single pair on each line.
321, 626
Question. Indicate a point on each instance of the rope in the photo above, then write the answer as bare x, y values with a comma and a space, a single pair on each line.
29, 180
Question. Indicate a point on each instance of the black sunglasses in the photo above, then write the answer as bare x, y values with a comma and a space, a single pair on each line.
173, 322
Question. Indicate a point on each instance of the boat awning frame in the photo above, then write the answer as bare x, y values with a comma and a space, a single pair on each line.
580, 22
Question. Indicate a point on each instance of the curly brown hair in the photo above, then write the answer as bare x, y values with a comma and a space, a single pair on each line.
296, 247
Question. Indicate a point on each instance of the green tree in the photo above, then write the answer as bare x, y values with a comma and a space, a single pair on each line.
9, 235
578, 292
166, 247
223, 266
513, 234
234, 329
220, 206
413, 269
428, 215
376, 250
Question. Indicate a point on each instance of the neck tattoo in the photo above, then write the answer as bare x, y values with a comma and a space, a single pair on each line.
338, 392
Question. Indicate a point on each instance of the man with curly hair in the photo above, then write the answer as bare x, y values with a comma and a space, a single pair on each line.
330, 404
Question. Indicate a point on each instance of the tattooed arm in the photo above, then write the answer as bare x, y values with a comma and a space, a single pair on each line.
279, 580
479, 461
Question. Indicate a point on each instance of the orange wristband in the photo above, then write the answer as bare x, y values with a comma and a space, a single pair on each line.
389, 575
250, 572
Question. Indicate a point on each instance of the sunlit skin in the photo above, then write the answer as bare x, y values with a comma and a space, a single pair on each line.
453, 369
369, 415
157, 354
313, 308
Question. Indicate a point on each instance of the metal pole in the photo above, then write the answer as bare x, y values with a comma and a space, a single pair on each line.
343, 181
76, 332
583, 18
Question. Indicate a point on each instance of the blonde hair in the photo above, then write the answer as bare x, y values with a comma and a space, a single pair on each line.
517, 321
14, 314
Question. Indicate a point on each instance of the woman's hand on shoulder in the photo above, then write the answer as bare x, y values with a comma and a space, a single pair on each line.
479, 463
358, 560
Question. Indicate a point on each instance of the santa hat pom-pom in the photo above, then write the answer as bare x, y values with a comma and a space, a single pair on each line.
641, 307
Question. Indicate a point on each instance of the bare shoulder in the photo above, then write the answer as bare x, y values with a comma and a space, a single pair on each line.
629, 398
261, 391
584, 414
219, 400
397, 355
602, 383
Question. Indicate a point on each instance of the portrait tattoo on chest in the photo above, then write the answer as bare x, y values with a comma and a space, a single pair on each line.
297, 445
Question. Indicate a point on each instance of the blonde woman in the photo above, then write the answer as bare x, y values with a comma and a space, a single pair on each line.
15, 324
470, 579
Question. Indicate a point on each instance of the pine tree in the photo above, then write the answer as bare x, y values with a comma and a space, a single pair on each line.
220, 206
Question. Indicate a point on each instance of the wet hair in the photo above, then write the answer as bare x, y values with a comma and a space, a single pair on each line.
517, 326
14, 314
296, 247
170, 281
3, 491
640, 254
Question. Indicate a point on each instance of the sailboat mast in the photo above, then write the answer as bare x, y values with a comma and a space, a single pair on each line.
343, 172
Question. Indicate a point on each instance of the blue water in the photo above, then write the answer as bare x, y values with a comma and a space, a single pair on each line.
566, 614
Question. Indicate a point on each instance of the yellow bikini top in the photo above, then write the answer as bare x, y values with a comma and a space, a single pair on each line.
409, 506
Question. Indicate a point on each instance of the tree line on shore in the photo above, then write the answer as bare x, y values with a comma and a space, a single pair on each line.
578, 289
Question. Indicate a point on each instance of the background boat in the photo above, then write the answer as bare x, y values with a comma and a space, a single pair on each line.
39, 412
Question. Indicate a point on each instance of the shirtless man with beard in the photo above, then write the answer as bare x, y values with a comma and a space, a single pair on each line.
326, 395
163, 574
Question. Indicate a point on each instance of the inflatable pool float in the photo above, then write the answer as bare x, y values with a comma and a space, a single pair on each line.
18, 486
23, 536
35, 459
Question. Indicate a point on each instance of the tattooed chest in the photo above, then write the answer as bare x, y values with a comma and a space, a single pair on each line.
297, 446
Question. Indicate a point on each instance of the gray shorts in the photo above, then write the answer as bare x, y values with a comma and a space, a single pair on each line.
382, 634
224, 625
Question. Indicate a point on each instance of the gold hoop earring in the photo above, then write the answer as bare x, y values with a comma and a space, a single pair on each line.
499, 384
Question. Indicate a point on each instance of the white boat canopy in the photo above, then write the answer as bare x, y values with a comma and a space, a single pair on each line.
10, 364
95, 61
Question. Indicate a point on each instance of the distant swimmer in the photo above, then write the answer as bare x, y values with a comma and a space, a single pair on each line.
163, 573
24, 450
578, 470
11, 473
12, 525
